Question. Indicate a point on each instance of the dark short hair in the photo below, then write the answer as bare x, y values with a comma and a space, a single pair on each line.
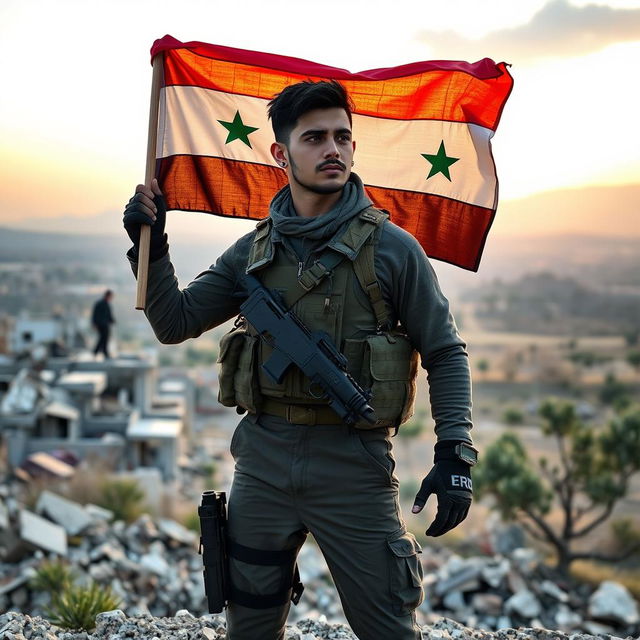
286, 107
108, 293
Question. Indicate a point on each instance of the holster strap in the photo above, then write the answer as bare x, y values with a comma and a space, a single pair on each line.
300, 413
265, 557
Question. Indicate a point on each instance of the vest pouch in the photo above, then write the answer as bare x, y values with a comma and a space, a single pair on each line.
237, 377
388, 366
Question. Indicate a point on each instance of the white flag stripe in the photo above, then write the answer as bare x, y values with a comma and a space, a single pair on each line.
189, 125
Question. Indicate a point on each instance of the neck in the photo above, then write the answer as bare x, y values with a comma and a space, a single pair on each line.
309, 204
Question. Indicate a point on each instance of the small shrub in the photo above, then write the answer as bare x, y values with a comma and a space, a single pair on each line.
52, 576
192, 521
513, 416
123, 497
76, 607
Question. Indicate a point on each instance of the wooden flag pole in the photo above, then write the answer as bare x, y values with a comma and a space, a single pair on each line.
145, 229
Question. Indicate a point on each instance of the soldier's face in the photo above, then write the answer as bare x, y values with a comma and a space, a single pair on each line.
320, 151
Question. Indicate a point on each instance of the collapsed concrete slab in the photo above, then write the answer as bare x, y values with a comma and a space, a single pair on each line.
42, 533
70, 515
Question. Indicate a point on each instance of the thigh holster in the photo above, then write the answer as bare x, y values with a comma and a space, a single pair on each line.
290, 589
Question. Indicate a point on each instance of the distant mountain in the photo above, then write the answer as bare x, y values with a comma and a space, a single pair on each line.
529, 235
607, 211
604, 211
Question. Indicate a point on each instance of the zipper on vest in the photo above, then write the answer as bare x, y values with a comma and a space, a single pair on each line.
300, 267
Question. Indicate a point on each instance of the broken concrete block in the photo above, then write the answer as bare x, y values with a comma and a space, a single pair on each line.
98, 514
42, 533
553, 590
613, 602
71, 515
176, 531
524, 603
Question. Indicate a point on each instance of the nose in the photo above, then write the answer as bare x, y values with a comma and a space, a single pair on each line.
331, 150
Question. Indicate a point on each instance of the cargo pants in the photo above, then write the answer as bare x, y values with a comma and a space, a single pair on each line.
337, 483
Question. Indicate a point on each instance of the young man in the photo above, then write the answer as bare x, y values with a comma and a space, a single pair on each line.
299, 468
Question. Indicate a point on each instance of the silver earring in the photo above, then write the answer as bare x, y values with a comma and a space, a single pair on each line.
283, 164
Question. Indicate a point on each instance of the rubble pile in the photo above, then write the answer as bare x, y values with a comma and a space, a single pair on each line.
114, 625
517, 590
153, 566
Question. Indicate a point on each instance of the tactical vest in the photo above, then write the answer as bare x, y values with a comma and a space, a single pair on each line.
338, 294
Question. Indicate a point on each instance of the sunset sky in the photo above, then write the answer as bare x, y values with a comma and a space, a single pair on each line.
76, 79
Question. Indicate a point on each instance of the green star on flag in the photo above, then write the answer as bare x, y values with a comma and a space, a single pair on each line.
440, 162
238, 130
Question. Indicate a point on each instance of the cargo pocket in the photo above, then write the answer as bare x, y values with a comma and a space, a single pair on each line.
245, 380
405, 572
231, 345
237, 384
389, 367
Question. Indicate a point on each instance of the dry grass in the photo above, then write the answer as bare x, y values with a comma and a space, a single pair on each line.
594, 573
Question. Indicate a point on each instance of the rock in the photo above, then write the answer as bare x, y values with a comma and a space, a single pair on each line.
66, 513
613, 602
454, 600
4, 516
524, 603
487, 603
493, 574
553, 590
155, 563
465, 578
503, 622
98, 514
567, 620
175, 531
596, 628
42, 533
525, 560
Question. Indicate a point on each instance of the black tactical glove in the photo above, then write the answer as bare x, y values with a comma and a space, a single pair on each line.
450, 480
145, 205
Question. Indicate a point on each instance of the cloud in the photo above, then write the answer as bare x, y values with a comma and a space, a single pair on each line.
558, 29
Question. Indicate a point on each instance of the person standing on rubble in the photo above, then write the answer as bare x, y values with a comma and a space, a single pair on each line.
346, 270
102, 319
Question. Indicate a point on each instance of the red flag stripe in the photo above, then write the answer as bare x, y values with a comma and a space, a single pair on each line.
433, 94
449, 230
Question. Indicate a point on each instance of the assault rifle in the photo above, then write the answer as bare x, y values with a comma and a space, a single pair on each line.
312, 353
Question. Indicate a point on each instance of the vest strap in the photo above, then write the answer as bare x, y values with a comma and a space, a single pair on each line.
364, 267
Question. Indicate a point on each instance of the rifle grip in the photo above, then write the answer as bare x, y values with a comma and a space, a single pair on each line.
276, 366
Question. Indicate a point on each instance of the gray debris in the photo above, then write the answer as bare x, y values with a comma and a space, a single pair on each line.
42, 533
70, 515
613, 602
524, 603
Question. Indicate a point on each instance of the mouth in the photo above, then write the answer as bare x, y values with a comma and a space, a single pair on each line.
334, 166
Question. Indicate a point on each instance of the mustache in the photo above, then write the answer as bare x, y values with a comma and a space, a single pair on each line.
328, 163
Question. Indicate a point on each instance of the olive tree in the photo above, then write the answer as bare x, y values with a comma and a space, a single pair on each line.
591, 474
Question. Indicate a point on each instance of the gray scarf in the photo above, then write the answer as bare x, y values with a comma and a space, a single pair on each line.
286, 222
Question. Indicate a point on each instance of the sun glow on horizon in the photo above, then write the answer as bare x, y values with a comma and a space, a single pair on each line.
73, 126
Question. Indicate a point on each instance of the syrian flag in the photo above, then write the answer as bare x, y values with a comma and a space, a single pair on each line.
423, 131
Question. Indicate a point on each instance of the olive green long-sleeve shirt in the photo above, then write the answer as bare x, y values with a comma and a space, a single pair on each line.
410, 289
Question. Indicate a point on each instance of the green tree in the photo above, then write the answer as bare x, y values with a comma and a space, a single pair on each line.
633, 358
614, 392
592, 474
513, 416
